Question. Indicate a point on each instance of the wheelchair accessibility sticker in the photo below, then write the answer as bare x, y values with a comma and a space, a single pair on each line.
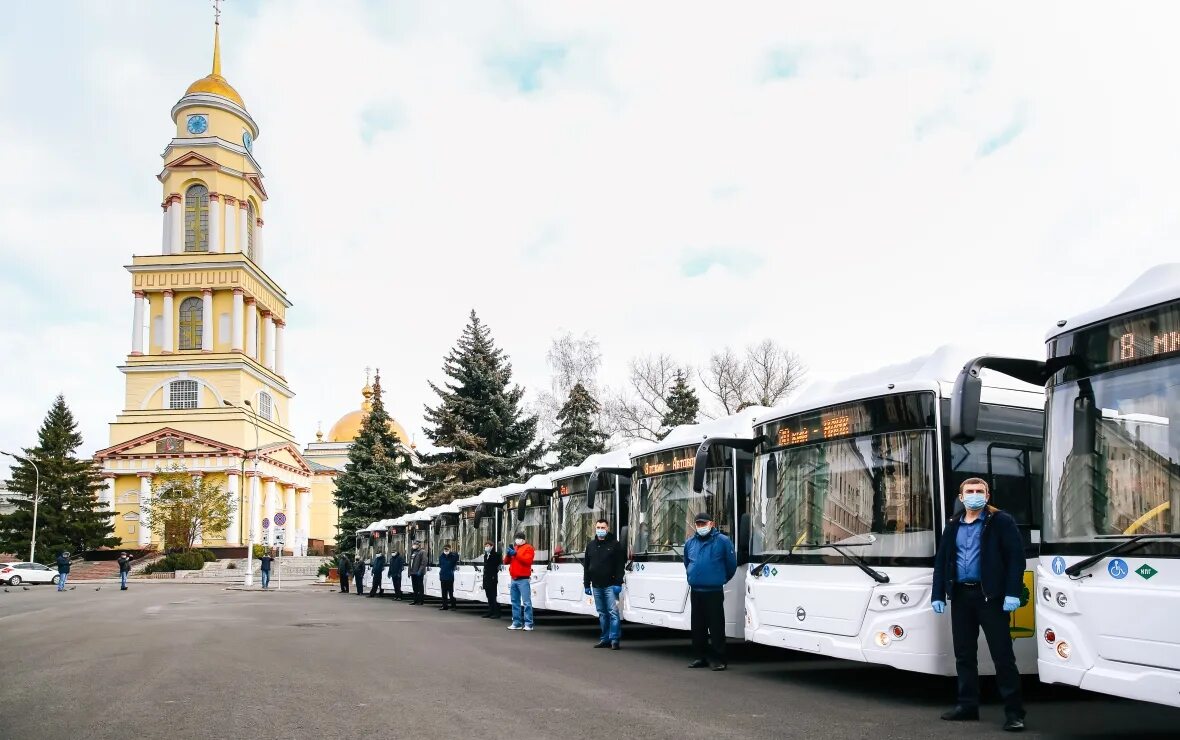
1058, 565
1118, 569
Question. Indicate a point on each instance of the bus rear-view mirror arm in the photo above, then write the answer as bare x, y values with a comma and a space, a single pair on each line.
702, 458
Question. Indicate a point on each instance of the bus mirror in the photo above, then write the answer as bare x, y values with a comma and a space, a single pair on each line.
592, 489
965, 403
1084, 423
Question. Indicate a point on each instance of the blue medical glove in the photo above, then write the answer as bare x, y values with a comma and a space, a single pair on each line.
938, 606
511, 550
1011, 603
617, 589
588, 591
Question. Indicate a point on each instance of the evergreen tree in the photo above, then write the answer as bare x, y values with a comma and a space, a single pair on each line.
578, 437
683, 404
379, 476
485, 437
69, 514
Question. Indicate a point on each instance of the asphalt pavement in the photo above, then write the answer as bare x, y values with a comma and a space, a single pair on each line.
198, 661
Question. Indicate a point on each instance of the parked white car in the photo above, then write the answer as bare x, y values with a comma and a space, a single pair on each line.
14, 574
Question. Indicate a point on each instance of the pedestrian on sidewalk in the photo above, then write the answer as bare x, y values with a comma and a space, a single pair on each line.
265, 561
446, 577
397, 564
491, 580
418, 573
519, 558
709, 562
980, 566
378, 571
603, 566
358, 575
124, 570
63, 569
343, 571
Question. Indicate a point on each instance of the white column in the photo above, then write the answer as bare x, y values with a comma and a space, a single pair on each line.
166, 237
251, 329
176, 214
243, 216
137, 325
305, 512
167, 321
279, 331
214, 222
231, 218
237, 320
292, 518
145, 495
207, 320
258, 241
270, 339
271, 498
255, 507
232, 535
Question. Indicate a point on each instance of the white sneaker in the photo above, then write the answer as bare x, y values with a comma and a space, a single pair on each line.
518, 627
528, 628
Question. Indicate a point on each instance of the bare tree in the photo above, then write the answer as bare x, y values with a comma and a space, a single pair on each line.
637, 412
764, 376
572, 360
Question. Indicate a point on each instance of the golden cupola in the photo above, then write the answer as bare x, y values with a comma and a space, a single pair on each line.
348, 426
214, 83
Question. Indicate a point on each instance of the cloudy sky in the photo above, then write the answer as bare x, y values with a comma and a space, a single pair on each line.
861, 181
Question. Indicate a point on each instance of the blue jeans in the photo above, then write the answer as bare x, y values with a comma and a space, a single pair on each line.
123, 579
61, 581
522, 600
266, 579
608, 614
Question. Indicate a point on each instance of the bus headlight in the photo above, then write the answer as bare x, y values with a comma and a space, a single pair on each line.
903, 598
1063, 650
1062, 599
1046, 594
882, 639
884, 600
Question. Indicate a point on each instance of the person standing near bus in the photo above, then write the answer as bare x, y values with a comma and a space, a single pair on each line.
604, 563
980, 566
709, 562
418, 573
378, 571
491, 580
343, 571
124, 570
396, 564
519, 558
447, 562
358, 575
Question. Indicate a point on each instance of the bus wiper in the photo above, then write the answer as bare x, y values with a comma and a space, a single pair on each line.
871, 572
756, 570
658, 547
1132, 544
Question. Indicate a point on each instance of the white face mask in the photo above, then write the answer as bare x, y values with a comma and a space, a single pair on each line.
704, 530
519, 541
487, 550
600, 532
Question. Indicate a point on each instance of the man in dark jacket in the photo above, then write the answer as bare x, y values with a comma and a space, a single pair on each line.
491, 580
447, 562
378, 571
358, 575
124, 570
980, 566
265, 562
710, 562
396, 565
602, 577
63, 569
343, 571
418, 573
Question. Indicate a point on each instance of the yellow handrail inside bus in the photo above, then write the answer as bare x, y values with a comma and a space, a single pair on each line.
1135, 525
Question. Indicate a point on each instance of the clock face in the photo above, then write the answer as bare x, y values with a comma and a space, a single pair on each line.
248, 141
197, 124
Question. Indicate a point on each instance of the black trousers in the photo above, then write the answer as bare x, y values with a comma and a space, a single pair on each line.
490, 592
376, 587
360, 584
970, 612
344, 583
419, 588
708, 625
396, 582
448, 594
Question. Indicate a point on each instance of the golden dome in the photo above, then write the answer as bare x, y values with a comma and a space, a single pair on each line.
214, 83
349, 426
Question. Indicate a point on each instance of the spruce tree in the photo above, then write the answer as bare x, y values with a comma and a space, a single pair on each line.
578, 436
484, 436
69, 514
378, 478
683, 404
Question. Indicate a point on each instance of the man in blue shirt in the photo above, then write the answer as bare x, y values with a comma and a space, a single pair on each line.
980, 565
709, 563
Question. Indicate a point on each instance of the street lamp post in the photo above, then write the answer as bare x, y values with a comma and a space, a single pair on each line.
36, 499
249, 580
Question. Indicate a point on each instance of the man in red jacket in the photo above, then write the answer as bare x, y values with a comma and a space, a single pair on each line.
519, 558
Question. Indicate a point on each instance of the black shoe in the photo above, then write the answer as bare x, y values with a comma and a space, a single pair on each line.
485, 616
1014, 724
614, 646
961, 714
602, 644
719, 666
699, 663
444, 608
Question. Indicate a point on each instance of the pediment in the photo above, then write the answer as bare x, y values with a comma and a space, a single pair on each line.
256, 183
286, 455
192, 161
168, 441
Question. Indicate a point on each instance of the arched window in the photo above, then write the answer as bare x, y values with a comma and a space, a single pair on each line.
196, 219
266, 408
251, 223
191, 323
183, 394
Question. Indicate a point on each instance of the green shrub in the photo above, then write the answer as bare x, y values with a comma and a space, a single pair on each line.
184, 560
259, 551
231, 565
208, 555
324, 567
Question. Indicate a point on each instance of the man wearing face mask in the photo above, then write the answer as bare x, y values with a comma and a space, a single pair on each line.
980, 565
491, 580
396, 564
418, 573
358, 575
446, 577
604, 563
519, 558
378, 571
710, 562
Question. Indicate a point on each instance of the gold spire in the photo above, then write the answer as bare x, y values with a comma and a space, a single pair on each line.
214, 83
217, 47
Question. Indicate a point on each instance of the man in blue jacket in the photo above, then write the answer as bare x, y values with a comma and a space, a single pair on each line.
980, 565
710, 561
446, 577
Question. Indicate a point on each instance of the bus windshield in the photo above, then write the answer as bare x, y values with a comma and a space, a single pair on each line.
874, 491
470, 543
534, 521
664, 507
1113, 455
575, 523
444, 532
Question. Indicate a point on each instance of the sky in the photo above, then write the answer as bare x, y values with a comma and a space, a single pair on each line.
862, 182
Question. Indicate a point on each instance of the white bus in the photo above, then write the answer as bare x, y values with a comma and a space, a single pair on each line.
853, 483
444, 530
598, 488
369, 541
417, 530
397, 539
663, 506
468, 585
1108, 582
527, 509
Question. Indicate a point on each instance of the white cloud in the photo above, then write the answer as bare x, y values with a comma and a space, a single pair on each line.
843, 151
